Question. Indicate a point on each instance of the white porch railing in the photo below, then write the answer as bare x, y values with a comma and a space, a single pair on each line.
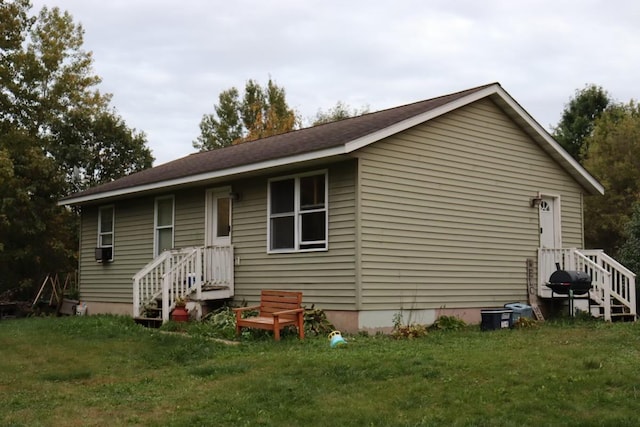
610, 279
181, 272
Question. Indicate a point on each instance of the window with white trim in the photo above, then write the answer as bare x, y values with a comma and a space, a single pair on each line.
298, 213
106, 216
164, 216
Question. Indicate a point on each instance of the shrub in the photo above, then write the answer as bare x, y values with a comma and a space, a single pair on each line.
316, 322
449, 323
222, 322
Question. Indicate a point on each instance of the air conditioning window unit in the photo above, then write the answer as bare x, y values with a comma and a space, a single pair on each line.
104, 254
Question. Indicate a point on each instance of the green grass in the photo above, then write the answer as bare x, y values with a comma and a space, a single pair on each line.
104, 370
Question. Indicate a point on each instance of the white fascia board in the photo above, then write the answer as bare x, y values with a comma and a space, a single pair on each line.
588, 179
419, 119
335, 151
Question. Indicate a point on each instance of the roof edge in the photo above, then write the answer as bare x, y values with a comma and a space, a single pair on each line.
420, 118
314, 155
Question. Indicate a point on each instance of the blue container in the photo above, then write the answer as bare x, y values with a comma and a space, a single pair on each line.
519, 310
496, 318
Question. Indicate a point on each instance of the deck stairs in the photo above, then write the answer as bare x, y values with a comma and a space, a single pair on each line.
613, 293
198, 274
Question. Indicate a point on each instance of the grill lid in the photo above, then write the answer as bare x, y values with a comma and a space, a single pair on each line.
570, 276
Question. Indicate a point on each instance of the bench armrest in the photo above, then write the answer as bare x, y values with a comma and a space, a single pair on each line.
295, 310
240, 309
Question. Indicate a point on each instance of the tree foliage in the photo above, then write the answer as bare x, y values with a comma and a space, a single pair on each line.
260, 113
578, 119
57, 134
613, 157
630, 250
340, 111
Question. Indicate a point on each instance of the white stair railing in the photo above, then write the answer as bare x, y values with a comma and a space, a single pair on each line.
622, 282
218, 266
181, 279
600, 282
610, 279
148, 282
181, 272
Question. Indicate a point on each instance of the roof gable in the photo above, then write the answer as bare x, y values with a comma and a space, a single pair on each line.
324, 141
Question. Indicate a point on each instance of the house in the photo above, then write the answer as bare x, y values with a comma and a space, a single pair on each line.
440, 207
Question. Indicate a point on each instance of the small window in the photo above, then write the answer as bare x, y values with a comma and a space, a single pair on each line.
298, 213
105, 228
164, 224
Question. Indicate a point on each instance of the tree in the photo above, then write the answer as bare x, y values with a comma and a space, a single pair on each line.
37, 235
578, 119
262, 112
340, 111
99, 149
54, 126
630, 249
613, 157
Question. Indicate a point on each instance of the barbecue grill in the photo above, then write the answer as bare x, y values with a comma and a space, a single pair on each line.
571, 283
564, 282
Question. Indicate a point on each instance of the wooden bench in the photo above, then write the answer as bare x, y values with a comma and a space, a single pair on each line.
277, 309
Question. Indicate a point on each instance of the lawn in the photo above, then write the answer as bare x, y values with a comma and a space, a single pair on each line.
104, 370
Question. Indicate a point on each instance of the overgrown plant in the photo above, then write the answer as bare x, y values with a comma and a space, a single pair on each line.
316, 322
409, 330
449, 323
222, 322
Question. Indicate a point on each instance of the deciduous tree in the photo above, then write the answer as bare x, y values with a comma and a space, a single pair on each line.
54, 125
613, 157
339, 111
260, 113
578, 119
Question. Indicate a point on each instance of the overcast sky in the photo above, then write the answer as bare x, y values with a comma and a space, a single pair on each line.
165, 62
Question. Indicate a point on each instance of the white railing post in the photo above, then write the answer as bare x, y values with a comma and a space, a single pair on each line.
199, 272
165, 296
136, 297
607, 297
632, 295
230, 269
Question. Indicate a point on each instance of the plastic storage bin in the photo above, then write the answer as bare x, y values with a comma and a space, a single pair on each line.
496, 318
519, 310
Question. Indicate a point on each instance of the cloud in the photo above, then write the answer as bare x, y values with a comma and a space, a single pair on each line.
166, 63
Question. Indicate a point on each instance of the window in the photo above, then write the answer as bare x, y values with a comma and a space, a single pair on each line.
105, 228
164, 224
298, 213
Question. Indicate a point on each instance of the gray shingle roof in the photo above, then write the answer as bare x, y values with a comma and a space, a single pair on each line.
280, 146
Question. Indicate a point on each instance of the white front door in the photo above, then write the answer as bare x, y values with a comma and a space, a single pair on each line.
218, 217
550, 236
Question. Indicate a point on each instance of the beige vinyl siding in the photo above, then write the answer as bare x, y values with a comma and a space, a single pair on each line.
189, 219
327, 278
133, 248
445, 212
